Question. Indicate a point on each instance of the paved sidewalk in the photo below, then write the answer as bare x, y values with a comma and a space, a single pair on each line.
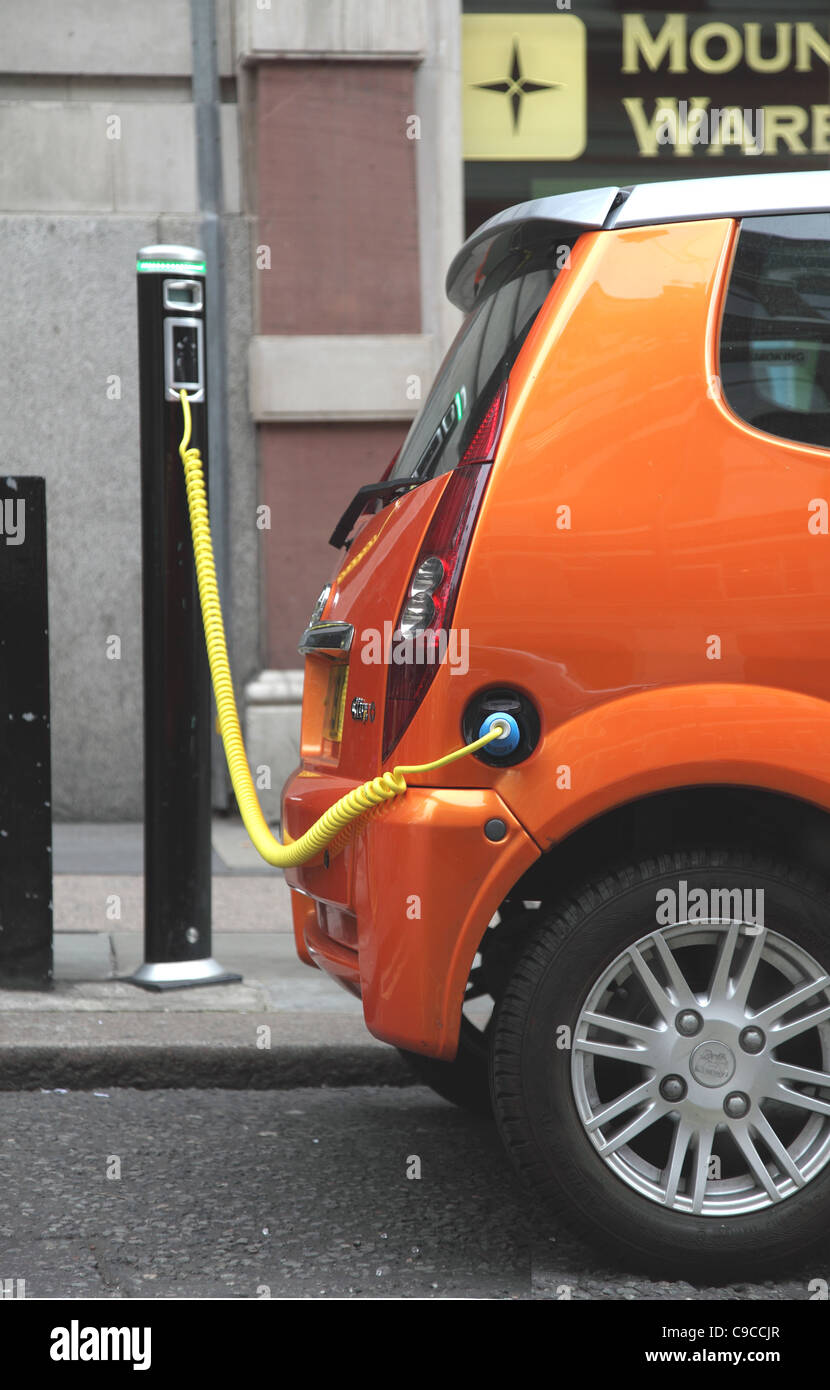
284, 1025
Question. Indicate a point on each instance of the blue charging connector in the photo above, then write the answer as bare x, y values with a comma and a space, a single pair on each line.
508, 743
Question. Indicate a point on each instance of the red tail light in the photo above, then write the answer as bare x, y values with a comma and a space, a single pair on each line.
482, 446
423, 627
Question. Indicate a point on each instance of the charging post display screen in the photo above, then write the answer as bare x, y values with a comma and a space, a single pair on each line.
183, 358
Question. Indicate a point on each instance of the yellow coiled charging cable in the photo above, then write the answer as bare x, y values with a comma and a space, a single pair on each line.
356, 803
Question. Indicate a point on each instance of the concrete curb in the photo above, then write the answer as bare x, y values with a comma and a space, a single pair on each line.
147, 1067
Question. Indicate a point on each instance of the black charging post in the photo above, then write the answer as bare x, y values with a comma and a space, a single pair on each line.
172, 352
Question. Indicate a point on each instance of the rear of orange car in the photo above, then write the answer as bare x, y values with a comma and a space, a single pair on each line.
582, 376
428, 627
394, 912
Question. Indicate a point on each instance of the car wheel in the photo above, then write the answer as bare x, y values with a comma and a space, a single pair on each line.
660, 1064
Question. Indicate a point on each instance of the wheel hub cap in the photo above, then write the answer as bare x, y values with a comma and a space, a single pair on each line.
712, 1063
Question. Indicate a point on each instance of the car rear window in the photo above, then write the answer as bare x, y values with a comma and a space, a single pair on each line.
518, 280
775, 337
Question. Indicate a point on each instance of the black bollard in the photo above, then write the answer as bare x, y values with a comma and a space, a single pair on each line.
177, 699
25, 748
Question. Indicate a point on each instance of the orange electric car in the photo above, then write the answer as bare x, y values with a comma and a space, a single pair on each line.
609, 526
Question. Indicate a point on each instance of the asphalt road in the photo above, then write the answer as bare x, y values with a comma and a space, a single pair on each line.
300, 1193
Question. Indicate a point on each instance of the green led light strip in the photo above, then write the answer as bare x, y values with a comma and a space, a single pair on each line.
183, 267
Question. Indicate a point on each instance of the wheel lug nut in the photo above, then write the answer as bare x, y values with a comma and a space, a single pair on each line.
672, 1088
752, 1040
688, 1023
736, 1105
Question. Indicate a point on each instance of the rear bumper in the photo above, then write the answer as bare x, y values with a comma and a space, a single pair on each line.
398, 913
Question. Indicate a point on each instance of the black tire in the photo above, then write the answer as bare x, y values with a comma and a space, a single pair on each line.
464, 1081
537, 1101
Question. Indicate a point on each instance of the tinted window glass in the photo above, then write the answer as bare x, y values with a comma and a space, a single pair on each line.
483, 352
775, 339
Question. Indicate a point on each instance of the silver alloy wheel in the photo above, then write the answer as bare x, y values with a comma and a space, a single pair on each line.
701, 1067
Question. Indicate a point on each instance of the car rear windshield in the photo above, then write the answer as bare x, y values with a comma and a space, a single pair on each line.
513, 290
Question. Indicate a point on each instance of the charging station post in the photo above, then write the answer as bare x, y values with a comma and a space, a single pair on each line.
177, 700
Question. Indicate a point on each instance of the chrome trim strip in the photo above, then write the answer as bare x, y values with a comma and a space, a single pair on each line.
324, 639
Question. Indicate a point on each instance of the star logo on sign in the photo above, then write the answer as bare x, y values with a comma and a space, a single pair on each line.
516, 86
